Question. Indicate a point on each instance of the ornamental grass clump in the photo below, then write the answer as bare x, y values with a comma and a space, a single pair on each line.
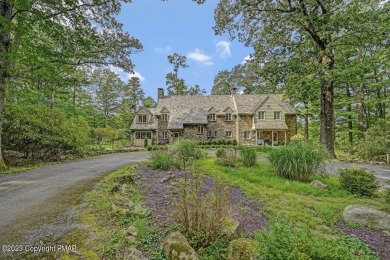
298, 160
248, 156
162, 160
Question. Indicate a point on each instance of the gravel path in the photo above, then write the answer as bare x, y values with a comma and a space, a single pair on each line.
35, 198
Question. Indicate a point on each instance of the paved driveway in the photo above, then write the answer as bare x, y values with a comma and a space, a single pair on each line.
382, 172
31, 199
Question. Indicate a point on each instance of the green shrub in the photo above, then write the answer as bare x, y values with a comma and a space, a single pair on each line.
162, 160
185, 151
146, 142
376, 143
220, 152
387, 195
43, 133
358, 181
248, 156
228, 158
282, 241
298, 160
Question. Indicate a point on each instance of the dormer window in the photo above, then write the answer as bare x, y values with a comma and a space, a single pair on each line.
142, 119
211, 117
277, 115
261, 115
228, 117
164, 117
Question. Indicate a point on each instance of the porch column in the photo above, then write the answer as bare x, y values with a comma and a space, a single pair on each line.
285, 137
272, 138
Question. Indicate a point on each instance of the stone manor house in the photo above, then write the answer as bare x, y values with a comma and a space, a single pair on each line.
248, 119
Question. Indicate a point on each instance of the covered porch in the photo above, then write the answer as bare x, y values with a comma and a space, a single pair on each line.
271, 137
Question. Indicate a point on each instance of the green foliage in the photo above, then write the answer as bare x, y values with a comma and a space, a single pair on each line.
377, 142
146, 142
162, 160
228, 157
220, 152
185, 152
203, 218
248, 156
358, 181
387, 195
283, 241
297, 161
43, 133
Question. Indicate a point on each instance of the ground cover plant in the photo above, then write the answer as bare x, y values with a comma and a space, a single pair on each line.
306, 210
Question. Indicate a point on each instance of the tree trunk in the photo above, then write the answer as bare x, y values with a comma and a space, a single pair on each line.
5, 42
350, 124
360, 112
327, 107
306, 117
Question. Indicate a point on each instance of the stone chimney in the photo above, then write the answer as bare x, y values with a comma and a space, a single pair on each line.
233, 91
160, 93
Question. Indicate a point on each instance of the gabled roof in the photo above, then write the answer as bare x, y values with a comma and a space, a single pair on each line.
152, 125
249, 103
193, 109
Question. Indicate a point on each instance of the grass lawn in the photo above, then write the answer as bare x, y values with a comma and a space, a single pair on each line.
292, 201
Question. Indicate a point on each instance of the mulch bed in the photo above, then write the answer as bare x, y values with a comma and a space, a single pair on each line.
160, 199
377, 240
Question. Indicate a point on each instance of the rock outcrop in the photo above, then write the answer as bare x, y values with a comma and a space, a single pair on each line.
365, 216
176, 247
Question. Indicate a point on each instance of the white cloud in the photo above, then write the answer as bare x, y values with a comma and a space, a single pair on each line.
165, 50
200, 57
126, 76
137, 75
246, 58
223, 48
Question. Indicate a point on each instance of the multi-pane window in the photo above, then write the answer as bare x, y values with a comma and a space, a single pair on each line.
247, 134
142, 135
211, 134
228, 117
276, 115
142, 119
164, 135
200, 129
261, 115
164, 117
211, 117
229, 134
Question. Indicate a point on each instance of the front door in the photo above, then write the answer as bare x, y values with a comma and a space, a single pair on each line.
275, 138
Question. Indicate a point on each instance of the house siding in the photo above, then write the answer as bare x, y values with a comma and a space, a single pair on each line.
187, 113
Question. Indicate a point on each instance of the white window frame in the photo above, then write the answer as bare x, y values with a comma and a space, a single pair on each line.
247, 134
229, 133
261, 113
164, 135
164, 117
277, 115
211, 117
211, 134
142, 119
228, 117
200, 129
140, 135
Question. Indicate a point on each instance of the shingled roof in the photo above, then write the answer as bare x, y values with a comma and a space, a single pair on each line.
193, 110
152, 125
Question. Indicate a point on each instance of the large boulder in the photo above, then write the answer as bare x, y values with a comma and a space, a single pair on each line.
176, 247
232, 228
134, 254
365, 216
243, 248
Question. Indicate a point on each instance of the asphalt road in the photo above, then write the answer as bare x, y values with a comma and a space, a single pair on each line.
381, 172
34, 198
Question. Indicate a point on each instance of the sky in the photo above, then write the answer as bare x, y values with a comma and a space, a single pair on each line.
183, 27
